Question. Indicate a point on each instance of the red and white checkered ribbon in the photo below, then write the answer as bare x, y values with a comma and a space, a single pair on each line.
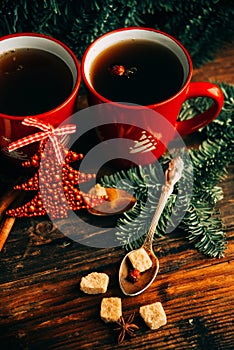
48, 132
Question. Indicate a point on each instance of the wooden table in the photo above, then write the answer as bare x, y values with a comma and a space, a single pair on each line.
42, 307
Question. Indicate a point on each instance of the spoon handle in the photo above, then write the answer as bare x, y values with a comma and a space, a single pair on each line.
172, 175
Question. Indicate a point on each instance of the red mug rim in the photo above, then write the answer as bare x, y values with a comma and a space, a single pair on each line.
106, 100
74, 90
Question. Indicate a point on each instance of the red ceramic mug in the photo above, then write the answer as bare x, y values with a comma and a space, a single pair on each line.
52, 56
117, 54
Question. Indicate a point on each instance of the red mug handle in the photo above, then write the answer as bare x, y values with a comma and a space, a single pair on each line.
200, 89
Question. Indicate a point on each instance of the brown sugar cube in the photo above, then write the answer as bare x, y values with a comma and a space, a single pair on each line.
140, 260
100, 190
153, 315
111, 309
94, 283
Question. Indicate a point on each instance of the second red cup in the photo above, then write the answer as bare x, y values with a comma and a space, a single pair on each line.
140, 69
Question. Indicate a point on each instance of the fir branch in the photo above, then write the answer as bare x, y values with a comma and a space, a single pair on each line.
146, 184
204, 229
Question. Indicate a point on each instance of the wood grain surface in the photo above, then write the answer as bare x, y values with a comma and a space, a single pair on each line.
42, 307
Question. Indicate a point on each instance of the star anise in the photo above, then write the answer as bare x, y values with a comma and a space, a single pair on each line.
126, 327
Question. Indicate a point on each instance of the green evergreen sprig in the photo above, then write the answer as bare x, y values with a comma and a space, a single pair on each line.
199, 215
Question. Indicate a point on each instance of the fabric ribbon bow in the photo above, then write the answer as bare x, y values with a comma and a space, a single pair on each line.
48, 132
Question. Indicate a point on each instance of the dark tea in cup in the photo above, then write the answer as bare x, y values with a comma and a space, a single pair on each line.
137, 71
32, 81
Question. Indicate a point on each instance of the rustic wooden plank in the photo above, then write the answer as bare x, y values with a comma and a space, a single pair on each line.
190, 300
219, 70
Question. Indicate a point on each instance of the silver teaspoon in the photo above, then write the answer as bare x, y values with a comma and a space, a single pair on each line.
144, 279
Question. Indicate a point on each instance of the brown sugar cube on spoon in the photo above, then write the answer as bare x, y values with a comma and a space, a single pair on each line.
140, 260
100, 190
153, 315
111, 309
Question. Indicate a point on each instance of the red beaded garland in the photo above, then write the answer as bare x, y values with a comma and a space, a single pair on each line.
56, 186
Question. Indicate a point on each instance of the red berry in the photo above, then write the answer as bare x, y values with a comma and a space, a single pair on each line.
117, 70
134, 275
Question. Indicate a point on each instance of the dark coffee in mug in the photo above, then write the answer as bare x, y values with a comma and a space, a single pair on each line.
137, 71
32, 81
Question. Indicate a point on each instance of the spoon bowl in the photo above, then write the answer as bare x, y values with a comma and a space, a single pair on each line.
118, 202
132, 289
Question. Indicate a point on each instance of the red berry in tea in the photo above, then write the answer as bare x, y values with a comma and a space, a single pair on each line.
134, 275
116, 70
